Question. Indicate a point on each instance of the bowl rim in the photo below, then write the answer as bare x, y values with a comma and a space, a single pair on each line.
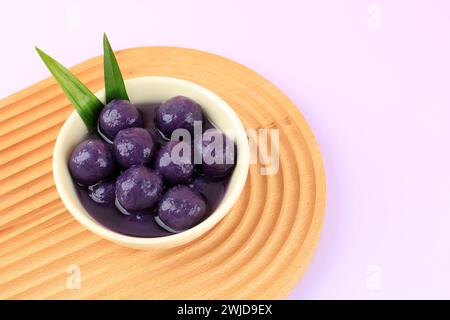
216, 216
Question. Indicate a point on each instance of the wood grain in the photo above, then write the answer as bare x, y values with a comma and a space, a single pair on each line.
259, 251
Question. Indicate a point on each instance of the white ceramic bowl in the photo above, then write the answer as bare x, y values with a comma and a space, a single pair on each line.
151, 90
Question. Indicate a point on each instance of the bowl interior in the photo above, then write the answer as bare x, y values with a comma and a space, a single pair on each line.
155, 90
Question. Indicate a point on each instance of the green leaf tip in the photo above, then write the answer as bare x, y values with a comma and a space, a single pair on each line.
114, 84
84, 101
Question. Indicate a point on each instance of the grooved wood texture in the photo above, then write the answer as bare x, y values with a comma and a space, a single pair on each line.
259, 251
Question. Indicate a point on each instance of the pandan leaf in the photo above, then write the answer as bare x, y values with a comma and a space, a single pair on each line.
85, 102
114, 85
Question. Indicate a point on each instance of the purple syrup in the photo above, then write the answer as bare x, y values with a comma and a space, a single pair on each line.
143, 224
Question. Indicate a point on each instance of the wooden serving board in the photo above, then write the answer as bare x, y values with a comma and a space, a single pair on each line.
259, 251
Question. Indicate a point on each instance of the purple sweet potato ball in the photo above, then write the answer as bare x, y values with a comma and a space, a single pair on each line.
217, 157
173, 164
138, 188
118, 115
103, 192
133, 146
181, 208
91, 161
178, 113
201, 184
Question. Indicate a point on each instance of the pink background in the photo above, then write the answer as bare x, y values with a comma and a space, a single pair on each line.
371, 77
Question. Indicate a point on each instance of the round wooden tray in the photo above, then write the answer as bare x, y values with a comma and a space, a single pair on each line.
259, 251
